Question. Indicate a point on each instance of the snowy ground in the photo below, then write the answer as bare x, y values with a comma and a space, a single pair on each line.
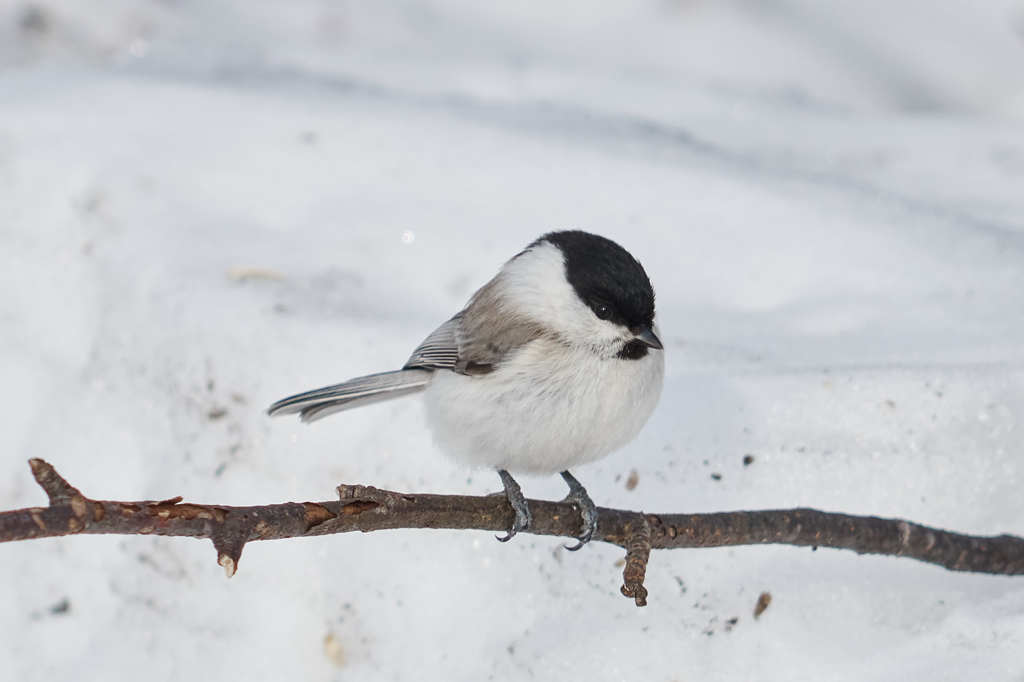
829, 198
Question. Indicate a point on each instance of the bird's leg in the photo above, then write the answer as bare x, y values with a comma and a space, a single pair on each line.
514, 495
588, 511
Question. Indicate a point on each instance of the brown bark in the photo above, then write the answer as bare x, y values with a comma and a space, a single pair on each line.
362, 508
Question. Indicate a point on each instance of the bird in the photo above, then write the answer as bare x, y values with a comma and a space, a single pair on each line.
553, 363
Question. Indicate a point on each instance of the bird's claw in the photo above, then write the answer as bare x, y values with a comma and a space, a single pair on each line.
588, 510
580, 541
521, 522
516, 500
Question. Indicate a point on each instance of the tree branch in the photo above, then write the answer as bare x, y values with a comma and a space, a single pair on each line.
363, 508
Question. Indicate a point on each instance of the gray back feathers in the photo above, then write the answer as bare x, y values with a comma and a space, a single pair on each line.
477, 339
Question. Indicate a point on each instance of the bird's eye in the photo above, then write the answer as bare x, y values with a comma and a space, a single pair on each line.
602, 311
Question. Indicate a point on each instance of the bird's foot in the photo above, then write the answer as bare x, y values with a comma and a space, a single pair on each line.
588, 511
514, 495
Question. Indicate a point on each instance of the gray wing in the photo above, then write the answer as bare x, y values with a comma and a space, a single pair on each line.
440, 350
477, 339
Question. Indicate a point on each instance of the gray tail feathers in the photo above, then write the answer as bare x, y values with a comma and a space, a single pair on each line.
313, 405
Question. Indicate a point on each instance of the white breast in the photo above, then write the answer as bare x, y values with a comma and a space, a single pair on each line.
545, 409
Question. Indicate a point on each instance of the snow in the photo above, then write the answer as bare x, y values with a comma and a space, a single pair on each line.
208, 205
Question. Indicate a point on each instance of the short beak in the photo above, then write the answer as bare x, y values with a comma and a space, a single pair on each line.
649, 338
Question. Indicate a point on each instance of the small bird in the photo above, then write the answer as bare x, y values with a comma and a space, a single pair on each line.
553, 363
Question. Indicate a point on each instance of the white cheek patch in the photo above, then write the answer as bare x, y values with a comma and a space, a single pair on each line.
534, 287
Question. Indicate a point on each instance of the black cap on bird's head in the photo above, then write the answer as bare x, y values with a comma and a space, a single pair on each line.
611, 282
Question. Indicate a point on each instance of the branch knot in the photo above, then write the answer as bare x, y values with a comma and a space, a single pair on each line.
356, 499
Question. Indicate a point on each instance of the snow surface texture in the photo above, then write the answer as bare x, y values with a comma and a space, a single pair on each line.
205, 206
